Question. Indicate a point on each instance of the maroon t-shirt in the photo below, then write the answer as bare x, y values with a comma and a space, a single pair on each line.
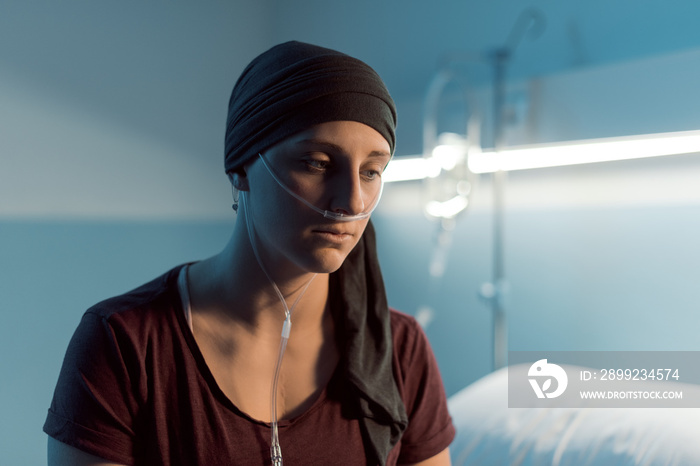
135, 389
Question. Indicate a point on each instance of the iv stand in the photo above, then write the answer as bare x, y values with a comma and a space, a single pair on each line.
494, 292
498, 180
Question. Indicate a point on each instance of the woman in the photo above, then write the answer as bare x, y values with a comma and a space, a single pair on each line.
187, 369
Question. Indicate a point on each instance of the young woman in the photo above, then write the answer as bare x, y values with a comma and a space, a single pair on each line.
282, 346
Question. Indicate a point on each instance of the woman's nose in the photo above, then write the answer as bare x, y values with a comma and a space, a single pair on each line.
348, 196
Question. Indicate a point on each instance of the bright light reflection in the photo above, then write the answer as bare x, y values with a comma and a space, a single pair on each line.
447, 156
410, 168
444, 157
447, 209
586, 151
547, 155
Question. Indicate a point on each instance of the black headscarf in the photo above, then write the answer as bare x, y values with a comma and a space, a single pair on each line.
284, 91
294, 86
362, 315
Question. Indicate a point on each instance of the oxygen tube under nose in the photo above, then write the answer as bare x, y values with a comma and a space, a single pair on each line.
326, 213
275, 449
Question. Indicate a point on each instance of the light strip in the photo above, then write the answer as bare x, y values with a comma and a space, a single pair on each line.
410, 168
586, 151
558, 154
445, 157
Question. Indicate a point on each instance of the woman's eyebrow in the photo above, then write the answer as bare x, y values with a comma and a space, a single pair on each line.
337, 148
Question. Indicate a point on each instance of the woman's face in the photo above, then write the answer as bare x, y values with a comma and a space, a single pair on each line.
335, 166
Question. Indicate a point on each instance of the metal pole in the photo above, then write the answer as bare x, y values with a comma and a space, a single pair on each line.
500, 328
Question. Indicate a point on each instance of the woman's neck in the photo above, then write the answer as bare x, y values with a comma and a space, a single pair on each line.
233, 286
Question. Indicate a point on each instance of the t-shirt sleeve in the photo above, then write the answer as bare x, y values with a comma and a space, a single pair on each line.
430, 429
95, 403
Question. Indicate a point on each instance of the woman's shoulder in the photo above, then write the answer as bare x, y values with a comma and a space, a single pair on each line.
409, 339
404, 325
117, 333
159, 291
135, 317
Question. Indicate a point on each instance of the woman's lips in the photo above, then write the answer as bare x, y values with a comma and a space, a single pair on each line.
333, 236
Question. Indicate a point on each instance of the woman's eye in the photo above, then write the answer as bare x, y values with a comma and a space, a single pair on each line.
371, 174
317, 166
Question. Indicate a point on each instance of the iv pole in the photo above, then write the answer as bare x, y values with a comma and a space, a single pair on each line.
498, 180
494, 291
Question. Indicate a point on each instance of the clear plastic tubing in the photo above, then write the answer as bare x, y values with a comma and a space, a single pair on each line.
275, 449
326, 213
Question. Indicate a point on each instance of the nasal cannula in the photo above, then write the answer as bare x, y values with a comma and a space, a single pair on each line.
337, 216
275, 449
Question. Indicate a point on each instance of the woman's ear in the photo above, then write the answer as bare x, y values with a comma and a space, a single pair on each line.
238, 179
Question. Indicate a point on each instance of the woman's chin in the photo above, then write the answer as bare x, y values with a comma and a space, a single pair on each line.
327, 261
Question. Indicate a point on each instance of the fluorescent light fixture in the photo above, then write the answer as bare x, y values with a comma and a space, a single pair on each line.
561, 154
410, 168
586, 151
445, 157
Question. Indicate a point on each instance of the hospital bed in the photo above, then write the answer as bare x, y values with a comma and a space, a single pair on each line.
490, 433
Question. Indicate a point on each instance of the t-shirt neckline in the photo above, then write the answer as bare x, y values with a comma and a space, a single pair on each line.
184, 294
